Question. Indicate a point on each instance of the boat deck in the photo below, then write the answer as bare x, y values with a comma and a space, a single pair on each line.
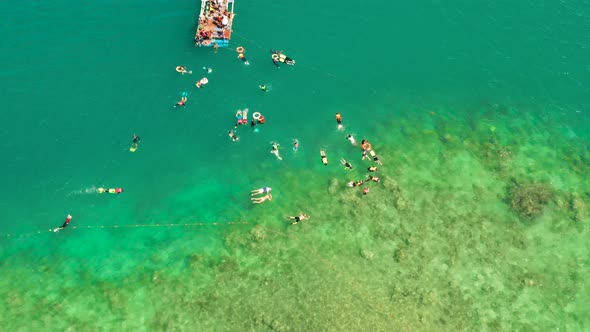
215, 23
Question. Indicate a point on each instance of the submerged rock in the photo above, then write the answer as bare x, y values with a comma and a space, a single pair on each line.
578, 206
529, 199
258, 234
367, 254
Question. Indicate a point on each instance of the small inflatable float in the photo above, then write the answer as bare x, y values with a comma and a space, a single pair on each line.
202, 82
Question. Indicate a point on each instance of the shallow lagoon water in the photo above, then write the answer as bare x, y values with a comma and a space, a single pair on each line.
468, 105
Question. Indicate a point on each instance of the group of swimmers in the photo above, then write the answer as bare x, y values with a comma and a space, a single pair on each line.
242, 119
367, 150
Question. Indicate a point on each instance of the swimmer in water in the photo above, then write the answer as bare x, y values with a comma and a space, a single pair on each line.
373, 178
242, 57
65, 224
324, 157
375, 157
346, 164
365, 191
208, 70
372, 169
264, 190
233, 136
355, 183
183, 70
258, 200
351, 139
295, 145
299, 218
182, 101
215, 47
135, 141
239, 117
339, 121
275, 150
262, 87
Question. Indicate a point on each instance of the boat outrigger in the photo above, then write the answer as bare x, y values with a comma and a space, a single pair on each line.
278, 56
215, 23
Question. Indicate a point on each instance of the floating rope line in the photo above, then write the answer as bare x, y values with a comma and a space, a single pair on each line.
25, 235
350, 280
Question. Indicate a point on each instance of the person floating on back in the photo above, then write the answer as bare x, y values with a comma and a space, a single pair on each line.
324, 157
66, 223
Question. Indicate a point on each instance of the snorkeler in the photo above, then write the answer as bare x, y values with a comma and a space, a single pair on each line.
65, 224
346, 164
295, 145
134, 143
275, 150
262, 87
233, 136
239, 118
264, 190
339, 121
183, 100
299, 218
351, 139
258, 200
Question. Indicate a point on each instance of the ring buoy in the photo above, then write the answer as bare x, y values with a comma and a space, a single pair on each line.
207, 42
256, 115
240, 49
366, 146
274, 56
180, 69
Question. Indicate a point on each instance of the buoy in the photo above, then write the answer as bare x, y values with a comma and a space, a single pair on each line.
256, 115
240, 49
274, 56
180, 69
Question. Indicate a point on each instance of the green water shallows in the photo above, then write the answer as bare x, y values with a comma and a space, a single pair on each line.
462, 100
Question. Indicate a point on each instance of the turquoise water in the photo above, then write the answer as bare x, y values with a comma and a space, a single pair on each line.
466, 103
